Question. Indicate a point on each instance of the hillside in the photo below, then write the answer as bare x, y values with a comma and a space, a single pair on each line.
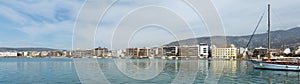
25, 49
290, 38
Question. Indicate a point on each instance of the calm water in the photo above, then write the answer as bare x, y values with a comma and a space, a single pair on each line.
133, 71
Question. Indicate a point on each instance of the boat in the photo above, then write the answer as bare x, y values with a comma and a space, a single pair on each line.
275, 63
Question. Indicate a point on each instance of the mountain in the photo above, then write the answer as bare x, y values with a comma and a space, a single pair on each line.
25, 49
289, 38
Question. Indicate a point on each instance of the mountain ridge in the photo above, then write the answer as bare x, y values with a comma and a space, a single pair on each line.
26, 49
290, 38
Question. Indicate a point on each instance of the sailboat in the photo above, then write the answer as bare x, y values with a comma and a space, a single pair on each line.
276, 63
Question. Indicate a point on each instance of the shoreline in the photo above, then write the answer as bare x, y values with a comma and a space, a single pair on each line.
185, 58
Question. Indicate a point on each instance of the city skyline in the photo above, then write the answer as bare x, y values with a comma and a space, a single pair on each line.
50, 24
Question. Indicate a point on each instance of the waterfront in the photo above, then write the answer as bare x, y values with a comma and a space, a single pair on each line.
136, 71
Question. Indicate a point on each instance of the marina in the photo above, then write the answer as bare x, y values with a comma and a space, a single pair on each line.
150, 42
274, 63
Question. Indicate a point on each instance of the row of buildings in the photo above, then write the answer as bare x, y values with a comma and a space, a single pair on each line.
263, 52
202, 50
62, 53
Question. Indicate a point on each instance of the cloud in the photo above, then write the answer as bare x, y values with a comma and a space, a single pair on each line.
240, 17
46, 22
40, 20
43, 10
121, 9
12, 15
37, 29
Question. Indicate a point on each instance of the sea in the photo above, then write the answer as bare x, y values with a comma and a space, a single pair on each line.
137, 71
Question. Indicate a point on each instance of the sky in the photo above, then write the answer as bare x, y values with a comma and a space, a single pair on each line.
55, 23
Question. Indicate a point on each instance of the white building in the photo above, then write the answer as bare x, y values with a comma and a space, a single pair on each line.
224, 53
242, 51
118, 53
44, 53
154, 51
204, 50
25, 53
8, 54
298, 50
287, 51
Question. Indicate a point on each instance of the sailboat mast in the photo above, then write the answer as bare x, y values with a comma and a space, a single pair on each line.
269, 27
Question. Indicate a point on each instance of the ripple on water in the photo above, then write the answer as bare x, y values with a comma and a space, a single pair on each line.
62, 71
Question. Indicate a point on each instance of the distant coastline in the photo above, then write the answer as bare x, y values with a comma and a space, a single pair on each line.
3, 49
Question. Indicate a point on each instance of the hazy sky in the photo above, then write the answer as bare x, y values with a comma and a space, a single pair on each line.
50, 23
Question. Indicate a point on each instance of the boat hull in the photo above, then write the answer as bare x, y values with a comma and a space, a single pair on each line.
270, 66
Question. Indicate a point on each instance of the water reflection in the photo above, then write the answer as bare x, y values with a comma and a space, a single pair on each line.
166, 71
189, 71
135, 71
28, 71
140, 69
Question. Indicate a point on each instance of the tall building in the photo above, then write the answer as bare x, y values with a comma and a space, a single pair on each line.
260, 52
134, 52
138, 52
101, 52
204, 48
189, 51
118, 53
170, 50
156, 51
159, 51
224, 53
144, 52
82, 53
